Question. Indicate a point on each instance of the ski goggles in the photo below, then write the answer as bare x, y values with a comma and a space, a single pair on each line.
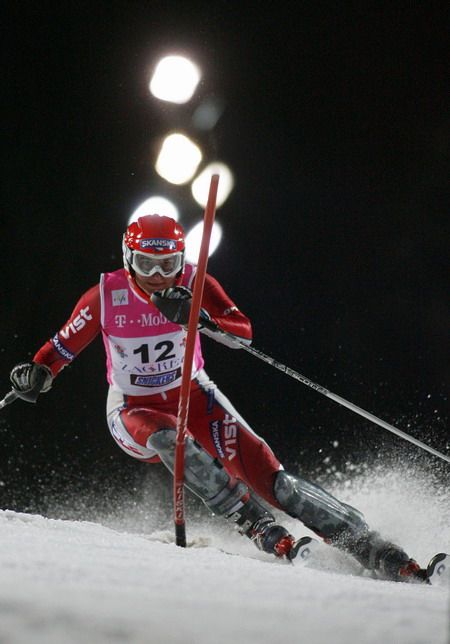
147, 265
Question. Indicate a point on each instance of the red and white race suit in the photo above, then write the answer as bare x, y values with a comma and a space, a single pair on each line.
145, 352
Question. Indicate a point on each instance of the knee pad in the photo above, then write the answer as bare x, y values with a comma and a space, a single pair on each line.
316, 508
163, 441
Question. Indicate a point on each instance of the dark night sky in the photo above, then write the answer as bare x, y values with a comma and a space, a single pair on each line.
336, 125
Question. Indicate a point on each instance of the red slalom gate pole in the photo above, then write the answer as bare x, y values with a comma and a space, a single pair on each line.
183, 402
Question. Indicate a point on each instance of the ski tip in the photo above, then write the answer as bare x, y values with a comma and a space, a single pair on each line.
303, 549
438, 570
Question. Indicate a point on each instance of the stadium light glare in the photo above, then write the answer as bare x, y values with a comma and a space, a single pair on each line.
194, 238
207, 114
178, 159
175, 79
155, 205
200, 185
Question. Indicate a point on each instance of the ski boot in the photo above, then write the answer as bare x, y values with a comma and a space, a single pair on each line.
436, 573
259, 525
384, 559
273, 538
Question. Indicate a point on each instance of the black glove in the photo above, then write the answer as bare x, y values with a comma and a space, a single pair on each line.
175, 304
30, 379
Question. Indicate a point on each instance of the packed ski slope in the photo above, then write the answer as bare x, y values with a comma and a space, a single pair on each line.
64, 582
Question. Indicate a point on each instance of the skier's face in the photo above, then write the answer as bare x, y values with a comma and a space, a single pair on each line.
155, 282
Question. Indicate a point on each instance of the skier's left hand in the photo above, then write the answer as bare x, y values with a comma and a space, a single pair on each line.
30, 379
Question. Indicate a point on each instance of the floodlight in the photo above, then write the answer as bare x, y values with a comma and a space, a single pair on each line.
155, 205
178, 159
200, 186
194, 238
174, 79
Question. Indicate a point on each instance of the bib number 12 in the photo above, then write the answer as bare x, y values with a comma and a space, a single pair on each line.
164, 347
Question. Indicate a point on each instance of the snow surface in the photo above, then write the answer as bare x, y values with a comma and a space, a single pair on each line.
112, 581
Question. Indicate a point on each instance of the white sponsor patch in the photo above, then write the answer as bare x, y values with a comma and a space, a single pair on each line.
78, 323
120, 297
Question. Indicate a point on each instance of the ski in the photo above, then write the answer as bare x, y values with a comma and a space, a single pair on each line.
438, 570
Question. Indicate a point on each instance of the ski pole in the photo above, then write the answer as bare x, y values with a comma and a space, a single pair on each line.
9, 398
325, 392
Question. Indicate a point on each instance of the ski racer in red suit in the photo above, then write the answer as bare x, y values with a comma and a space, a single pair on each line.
226, 463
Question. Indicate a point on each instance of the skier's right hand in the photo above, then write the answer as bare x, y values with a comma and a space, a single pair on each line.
30, 379
175, 304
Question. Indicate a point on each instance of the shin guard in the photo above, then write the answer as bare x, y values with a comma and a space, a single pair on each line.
316, 508
224, 496
203, 474
340, 525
